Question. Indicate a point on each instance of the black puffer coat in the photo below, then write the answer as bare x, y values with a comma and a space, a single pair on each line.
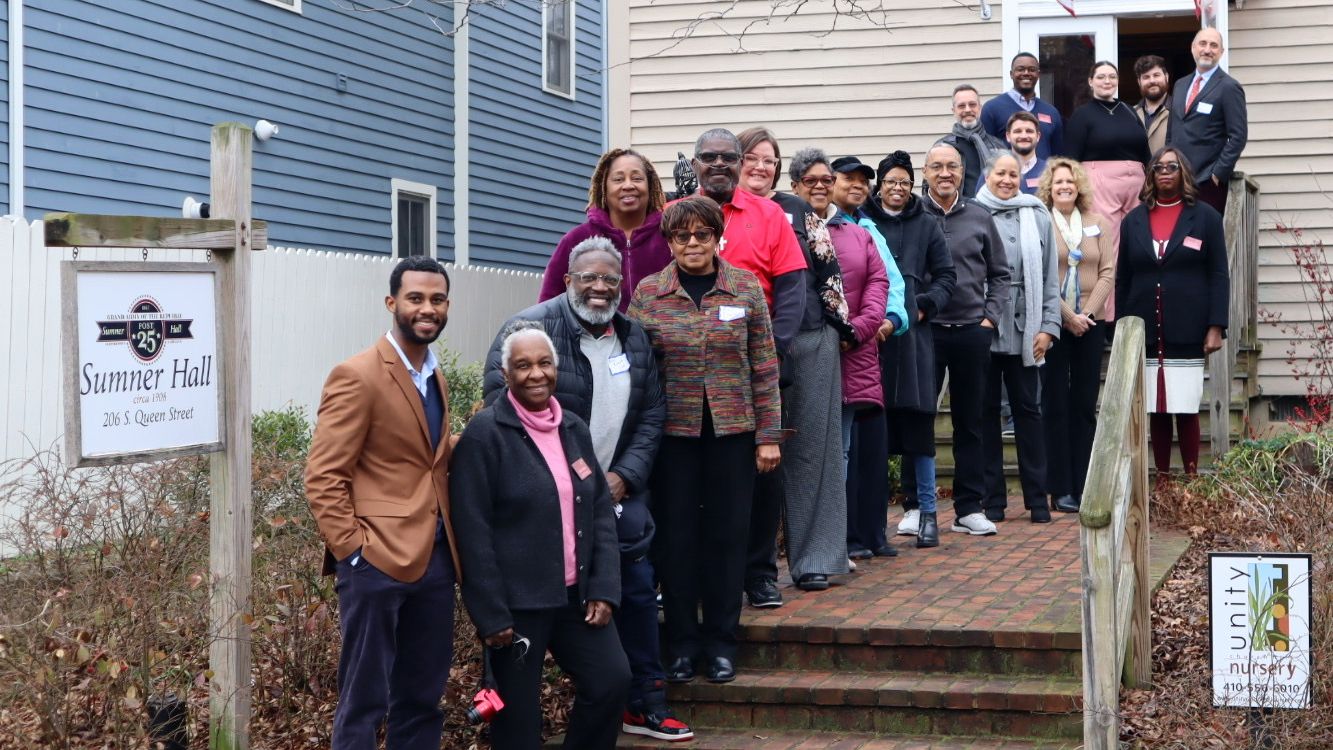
907, 362
644, 417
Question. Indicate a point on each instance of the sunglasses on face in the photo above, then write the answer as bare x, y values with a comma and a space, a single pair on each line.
1166, 167
683, 237
812, 181
588, 277
713, 157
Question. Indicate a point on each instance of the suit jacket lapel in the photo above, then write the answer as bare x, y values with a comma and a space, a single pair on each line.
398, 371
1208, 87
443, 447
1183, 226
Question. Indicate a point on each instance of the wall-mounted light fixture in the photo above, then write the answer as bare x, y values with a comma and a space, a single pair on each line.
985, 10
265, 130
193, 209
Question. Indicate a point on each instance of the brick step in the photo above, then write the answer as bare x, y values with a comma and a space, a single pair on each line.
902, 703
781, 739
1008, 653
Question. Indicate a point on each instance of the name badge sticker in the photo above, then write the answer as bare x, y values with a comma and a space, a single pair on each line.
1034, 182
788, 217
1044, 118
1193, 243
728, 313
1092, 231
1204, 108
581, 468
618, 364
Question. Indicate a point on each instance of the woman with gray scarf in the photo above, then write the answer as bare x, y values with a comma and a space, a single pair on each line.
1029, 323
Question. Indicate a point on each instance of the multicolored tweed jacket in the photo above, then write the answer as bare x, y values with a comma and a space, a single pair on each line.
723, 348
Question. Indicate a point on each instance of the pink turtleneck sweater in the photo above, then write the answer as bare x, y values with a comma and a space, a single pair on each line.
544, 429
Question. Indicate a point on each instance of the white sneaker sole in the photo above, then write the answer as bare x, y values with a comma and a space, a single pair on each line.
647, 732
972, 532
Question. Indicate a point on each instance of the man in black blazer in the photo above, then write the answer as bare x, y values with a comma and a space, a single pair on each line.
1209, 123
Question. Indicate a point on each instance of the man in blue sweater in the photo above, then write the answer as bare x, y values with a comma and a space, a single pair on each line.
1024, 72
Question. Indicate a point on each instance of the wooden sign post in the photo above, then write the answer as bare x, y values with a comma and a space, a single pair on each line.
230, 237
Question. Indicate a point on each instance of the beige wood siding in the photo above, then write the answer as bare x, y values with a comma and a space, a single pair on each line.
859, 89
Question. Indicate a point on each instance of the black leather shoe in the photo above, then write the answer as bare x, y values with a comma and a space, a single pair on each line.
929, 533
720, 669
1040, 514
888, 550
994, 515
680, 670
859, 553
812, 582
1066, 504
763, 594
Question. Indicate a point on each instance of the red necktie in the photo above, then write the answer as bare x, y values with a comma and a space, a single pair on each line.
1194, 92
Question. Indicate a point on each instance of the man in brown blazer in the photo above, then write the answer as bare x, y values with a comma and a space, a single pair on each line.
1154, 108
377, 482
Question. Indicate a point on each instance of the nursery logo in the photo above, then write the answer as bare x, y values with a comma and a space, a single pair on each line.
146, 327
1269, 605
1260, 629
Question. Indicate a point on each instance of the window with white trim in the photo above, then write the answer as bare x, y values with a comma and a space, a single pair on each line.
413, 210
292, 5
558, 47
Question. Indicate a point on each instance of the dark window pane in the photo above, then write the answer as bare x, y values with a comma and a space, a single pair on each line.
412, 225
1065, 61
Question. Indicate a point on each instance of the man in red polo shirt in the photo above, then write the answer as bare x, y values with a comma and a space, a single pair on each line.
758, 237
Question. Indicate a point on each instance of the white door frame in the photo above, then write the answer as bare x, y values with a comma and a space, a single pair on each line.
1055, 18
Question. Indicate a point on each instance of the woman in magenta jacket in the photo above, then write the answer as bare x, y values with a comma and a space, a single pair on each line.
625, 206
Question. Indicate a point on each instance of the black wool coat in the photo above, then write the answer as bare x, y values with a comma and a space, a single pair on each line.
1195, 284
505, 512
907, 362
644, 418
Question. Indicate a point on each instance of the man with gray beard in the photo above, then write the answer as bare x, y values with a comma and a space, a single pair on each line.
607, 375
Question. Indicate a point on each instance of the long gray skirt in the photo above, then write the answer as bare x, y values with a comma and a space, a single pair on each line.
816, 496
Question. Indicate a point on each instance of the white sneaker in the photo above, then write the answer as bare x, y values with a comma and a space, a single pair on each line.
910, 524
851, 564
975, 524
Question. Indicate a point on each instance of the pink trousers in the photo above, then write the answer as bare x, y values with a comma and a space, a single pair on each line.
1115, 192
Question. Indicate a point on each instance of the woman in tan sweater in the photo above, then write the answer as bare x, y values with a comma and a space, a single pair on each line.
1073, 363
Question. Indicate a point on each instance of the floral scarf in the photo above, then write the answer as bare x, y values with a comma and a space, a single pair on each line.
828, 277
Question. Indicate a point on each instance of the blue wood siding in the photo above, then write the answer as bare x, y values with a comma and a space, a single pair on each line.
4, 107
120, 98
531, 152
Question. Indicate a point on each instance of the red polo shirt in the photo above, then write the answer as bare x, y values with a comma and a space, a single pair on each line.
758, 237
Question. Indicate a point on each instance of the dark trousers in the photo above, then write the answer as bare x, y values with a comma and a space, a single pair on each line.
965, 352
1214, 195
636, 621
868, 485
397, 642
591, 656
702, 489
1024, 401
761, 546
1071, 379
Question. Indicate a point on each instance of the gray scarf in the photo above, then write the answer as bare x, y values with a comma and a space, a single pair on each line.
1029, 246
985, 143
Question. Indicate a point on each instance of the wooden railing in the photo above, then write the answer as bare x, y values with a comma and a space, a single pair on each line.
1117, 631
1241, 223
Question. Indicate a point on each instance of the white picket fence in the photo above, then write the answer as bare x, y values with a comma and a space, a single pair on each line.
311, 310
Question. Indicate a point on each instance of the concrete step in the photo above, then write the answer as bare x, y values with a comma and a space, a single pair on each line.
709, 738
900, 703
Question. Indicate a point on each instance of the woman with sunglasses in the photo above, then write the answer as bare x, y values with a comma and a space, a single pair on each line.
709, 327
1173, 274
1107, 138
625, 203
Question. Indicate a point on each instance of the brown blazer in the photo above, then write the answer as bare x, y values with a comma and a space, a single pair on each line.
1096, 272
1160, 123
372, 480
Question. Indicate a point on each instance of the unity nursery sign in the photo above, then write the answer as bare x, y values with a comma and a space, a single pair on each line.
1260, 629
142, 371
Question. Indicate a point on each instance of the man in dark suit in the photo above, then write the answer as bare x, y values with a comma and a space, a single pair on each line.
1209, 123
377, 483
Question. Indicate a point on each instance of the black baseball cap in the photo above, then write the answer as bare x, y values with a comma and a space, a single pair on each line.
849, 164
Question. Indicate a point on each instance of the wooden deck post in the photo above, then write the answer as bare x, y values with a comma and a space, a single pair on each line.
230, 526
1138, 648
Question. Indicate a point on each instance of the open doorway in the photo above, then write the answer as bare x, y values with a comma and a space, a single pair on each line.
1168, 37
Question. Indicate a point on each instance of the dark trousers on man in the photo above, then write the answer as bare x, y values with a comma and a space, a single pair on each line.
1214, 195
964, 351
636, 621
1023, 384
1071, 380
397, 642
868, 485
591, 656
702, 489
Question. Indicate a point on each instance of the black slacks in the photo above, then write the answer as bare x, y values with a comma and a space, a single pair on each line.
1023, 384
702, 489
761, 546
868, 485
592, 656
1072, 378
964, 351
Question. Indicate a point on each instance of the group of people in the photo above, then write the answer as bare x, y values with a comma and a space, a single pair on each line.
702, 371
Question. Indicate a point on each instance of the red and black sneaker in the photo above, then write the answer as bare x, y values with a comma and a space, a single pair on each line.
661, 726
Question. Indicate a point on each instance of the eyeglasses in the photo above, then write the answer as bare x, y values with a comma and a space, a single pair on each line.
713, 157
588, 277
752, 160
1106, 77
952, 166
826, 180
1166, 167
702, 235
904, 184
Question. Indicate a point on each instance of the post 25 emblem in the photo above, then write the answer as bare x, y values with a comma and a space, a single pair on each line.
146, 328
